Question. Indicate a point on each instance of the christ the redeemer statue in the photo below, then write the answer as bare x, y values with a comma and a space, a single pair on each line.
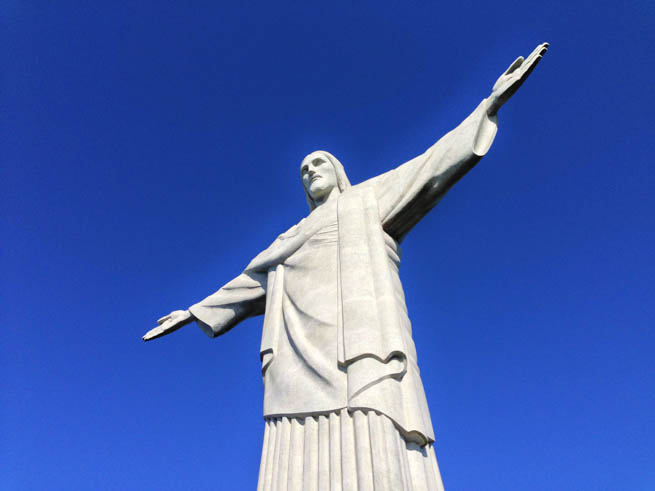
344, 405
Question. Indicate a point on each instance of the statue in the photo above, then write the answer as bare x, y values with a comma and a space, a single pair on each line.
344, 405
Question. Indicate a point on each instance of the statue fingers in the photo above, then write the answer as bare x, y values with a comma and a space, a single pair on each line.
527, 69
515, 64
539, 51
166, 327
507, 74
161, 320
153, 333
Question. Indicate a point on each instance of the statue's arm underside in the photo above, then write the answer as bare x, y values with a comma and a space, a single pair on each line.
243, 297
407, 193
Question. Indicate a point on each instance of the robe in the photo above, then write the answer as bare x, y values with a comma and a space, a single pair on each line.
336, 334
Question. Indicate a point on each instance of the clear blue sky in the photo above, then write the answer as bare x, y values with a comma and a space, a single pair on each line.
151, 149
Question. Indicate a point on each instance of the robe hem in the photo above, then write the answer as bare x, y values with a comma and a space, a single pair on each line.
414, 436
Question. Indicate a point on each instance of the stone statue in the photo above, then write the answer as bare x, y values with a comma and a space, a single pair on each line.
344, 405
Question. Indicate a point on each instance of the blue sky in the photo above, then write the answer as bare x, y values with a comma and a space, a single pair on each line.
151, 149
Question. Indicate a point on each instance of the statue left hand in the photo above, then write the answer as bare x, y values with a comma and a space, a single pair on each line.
169, 323
510, 81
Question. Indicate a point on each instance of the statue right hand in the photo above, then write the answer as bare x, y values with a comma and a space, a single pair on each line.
510, 81
169, 323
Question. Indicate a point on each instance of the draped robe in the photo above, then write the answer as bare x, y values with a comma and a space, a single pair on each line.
336, 333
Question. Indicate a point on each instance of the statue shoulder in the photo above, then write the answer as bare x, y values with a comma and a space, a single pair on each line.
292, 231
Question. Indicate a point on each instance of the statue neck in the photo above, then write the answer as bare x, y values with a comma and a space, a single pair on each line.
331, 196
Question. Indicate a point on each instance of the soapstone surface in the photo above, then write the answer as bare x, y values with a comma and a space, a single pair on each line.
344, 404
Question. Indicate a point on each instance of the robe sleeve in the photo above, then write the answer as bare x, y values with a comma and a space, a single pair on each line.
407, 193
241, 298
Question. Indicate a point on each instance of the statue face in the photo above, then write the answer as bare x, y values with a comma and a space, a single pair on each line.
318, 176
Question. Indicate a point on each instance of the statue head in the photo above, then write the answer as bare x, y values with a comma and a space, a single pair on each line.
321, 174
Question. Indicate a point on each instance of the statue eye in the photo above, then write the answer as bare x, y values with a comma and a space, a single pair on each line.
304, 169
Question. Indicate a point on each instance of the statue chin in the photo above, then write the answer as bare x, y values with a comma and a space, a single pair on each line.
321, 192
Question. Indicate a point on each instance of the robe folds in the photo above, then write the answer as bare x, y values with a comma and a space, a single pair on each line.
347, 344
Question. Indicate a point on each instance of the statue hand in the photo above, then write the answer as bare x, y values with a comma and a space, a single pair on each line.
510, 81
169, 323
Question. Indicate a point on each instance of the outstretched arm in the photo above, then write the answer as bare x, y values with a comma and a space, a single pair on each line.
407, 193
243, 297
